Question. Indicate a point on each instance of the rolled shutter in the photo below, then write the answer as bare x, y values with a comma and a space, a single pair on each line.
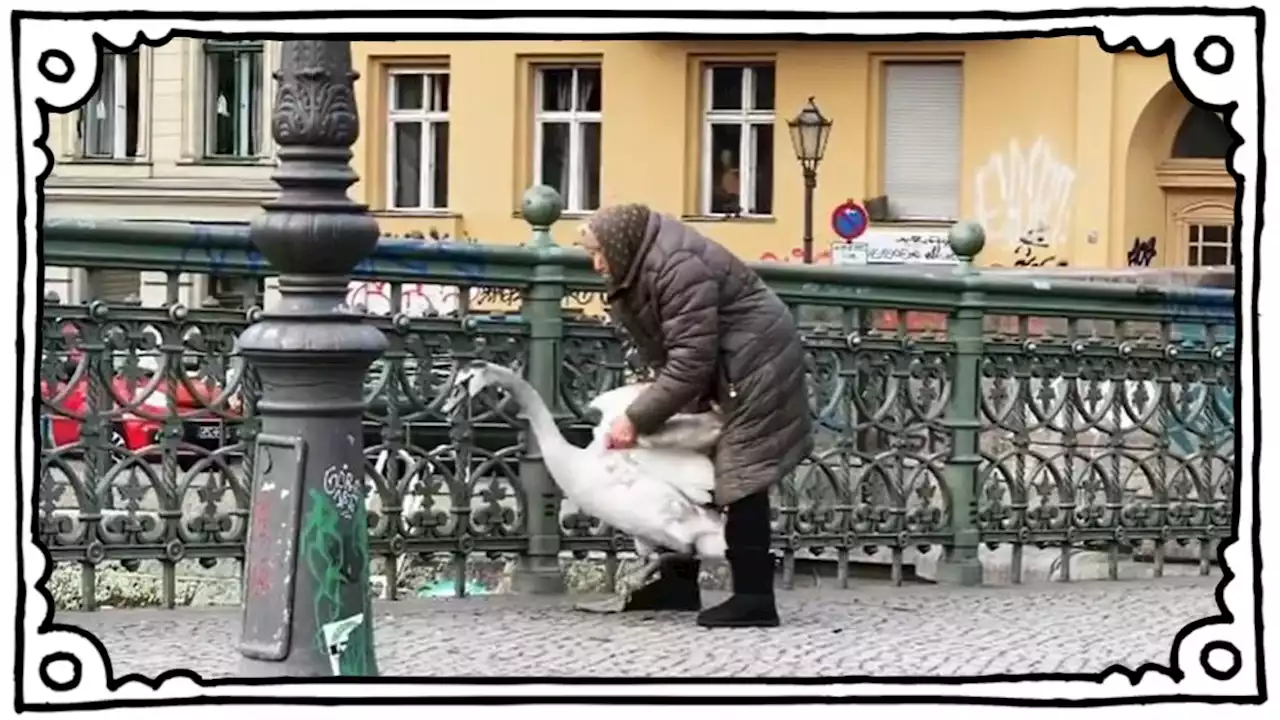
922, 137
118, 285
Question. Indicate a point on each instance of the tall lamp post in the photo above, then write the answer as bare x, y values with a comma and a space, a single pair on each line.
809, 134
306, 600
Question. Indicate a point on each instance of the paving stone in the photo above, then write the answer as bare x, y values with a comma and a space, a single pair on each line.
943, 631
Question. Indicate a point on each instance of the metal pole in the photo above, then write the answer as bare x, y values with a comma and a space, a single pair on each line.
960, 563
539, 572
810, 182
307, 609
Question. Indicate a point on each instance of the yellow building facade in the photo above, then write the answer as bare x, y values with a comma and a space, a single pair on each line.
1066, 153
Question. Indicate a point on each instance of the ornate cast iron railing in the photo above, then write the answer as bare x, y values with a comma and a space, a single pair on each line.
958, 411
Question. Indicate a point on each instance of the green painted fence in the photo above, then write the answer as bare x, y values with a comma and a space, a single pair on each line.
959, 411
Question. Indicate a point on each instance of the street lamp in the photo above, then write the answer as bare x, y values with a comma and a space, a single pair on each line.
809, 134
306, 605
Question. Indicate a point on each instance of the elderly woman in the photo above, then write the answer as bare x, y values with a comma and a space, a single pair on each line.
717, 334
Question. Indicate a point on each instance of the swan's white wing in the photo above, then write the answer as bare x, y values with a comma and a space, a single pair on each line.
614, 402
697, 432
688, 473
687, 431
568, 507
634, 492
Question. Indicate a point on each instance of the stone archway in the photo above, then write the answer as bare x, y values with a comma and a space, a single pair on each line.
1180, 200
1199, 194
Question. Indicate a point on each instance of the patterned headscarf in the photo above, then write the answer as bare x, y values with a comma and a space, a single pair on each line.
620, 230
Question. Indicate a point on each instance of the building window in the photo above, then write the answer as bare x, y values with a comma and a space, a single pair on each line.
1202, 134
233, 101
108, 124
418, 140
237, 292
566, 143
922, 136
1210, 244
737, 139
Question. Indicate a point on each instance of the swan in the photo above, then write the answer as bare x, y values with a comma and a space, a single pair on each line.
698, 432
659, 492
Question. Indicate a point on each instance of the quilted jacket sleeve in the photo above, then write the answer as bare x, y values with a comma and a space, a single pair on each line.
687, 295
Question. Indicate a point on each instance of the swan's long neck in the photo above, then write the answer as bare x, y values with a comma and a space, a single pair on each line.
551, 441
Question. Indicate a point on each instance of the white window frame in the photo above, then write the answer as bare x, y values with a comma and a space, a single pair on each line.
885, 122
119, 113
745, 118
430, 120
191, 53
243, 104
576, 119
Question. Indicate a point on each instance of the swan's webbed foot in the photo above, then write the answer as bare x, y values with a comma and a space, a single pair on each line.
612, 604
627, 585
645, 573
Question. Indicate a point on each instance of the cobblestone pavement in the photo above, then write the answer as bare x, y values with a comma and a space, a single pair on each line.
931, 630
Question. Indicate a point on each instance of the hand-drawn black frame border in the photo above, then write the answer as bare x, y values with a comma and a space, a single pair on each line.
1134, 676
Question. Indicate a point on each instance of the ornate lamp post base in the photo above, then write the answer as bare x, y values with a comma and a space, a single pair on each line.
307, 606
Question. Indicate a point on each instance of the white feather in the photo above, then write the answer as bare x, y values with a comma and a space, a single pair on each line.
660, 495
684, 431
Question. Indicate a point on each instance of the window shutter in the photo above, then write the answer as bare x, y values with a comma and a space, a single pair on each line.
118, 285
922, 135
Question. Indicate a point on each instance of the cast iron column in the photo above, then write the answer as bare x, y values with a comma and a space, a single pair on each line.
307, 609
810, 184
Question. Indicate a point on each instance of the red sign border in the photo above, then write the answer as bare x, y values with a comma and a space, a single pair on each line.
843, 208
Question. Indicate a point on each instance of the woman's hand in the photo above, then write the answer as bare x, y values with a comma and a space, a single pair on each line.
622, 434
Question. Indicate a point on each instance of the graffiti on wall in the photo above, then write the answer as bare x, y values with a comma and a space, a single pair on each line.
923, 246
1033, 249
1022, 197
796, 255
1142, 252
416, 299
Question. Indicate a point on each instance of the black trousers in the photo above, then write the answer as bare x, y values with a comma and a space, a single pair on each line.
747, 535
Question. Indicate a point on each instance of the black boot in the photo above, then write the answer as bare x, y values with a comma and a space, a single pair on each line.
752, 603
675, 589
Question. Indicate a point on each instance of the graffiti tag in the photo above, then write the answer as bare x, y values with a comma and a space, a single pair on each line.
261, 570
1023, 198
340, 485
895, 247
1033, 250
1142, 252
416, 299
796, 255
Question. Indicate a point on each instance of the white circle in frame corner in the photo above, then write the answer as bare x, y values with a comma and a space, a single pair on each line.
57, 65
1216, 59
1234, 83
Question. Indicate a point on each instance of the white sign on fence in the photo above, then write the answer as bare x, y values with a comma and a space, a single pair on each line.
899, 246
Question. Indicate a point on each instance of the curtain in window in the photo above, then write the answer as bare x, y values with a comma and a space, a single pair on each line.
557, 160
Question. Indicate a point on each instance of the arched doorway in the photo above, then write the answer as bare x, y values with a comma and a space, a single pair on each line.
1199, 194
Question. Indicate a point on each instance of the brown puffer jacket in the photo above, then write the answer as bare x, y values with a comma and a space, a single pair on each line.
718, 333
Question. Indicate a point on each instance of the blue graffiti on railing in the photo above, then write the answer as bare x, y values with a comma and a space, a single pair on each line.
403, 255
205, 253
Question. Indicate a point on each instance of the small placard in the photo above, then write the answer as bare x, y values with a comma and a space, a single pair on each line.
271, 557
849, 253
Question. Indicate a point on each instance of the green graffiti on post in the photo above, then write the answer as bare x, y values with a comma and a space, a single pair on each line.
333, 565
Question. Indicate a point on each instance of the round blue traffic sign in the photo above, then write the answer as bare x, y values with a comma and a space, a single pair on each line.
849, 220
